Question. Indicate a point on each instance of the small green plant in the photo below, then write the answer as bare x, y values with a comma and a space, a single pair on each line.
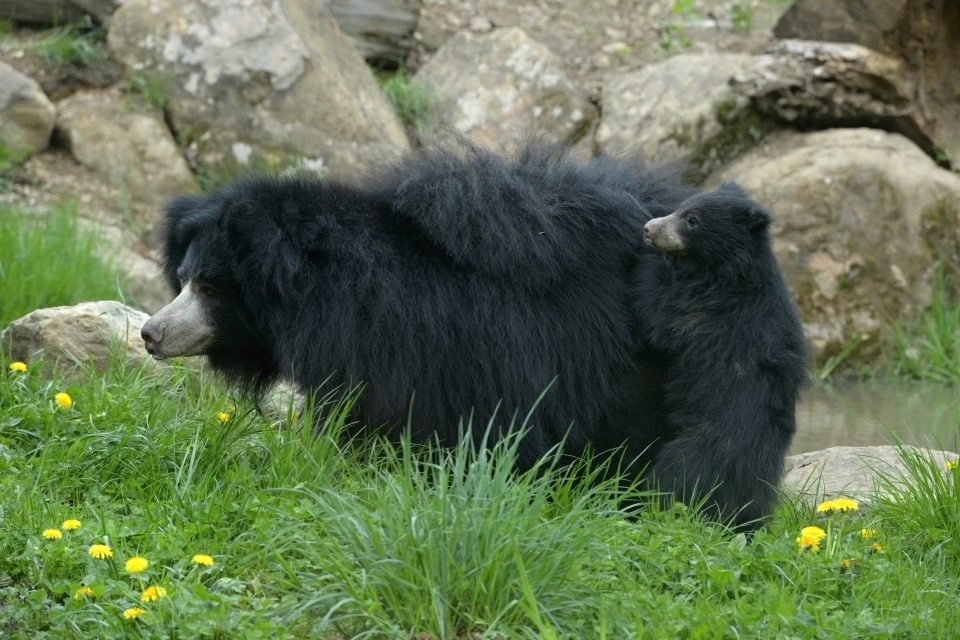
673, 33
48, 260
928, 348
6, 28
741, 17
411, 101
79, 43
11, 157
153, 87
838, 359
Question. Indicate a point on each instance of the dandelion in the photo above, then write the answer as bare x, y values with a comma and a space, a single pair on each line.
839, 505
17, 367
71, 525
203, 560
83, 592
133, 613
845, 565
100, 551
63, 400
951, 464
223, 417
152, 593
810, 538
868, 534
136, 564
876, 547
52, 534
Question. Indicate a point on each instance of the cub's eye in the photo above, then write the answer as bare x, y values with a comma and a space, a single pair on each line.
693, 221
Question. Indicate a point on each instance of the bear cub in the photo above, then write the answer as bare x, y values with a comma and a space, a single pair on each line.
714, 305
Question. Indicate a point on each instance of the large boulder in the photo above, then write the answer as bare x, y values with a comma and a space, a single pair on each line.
89, 332
26, 114
126, 143
680, 110
267, 79
862, 218
860, 473
819, 85
497, 87
922, 33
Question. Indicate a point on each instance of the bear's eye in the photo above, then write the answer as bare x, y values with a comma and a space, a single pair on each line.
204, 289
693, 221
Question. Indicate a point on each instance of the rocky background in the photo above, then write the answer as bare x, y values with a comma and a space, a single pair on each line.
843, 120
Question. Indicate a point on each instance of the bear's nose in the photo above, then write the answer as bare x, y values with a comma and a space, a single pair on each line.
152, 334
650, 230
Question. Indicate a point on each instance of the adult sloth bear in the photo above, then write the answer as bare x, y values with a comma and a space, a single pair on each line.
456, 285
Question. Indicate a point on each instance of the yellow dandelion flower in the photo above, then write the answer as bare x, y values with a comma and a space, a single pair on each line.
100, 551
203, 560
52, 534
951, 464
845, 564
839, 504
153, 592
83, 592
71, 524
18, 367
223, 417
63, 400
133, 613
876, 547
867, 534
810, 538
136, 564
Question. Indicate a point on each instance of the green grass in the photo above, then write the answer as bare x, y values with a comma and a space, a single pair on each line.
78, 43
313, 536
928, 348
46, 261
411, 102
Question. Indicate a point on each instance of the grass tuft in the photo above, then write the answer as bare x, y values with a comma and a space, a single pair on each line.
46, 260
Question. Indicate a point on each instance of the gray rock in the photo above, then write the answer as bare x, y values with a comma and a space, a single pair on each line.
26, 114
860, 219
381, 30
126, 143
680, 110
57, 12
921, 33
500, 86
89, 332
860, 473
857, 21
260, 79
817, 85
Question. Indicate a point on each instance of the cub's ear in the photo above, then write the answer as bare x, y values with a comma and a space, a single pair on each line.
732, 188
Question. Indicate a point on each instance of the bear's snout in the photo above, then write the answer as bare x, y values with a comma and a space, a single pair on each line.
152, 334
650, 230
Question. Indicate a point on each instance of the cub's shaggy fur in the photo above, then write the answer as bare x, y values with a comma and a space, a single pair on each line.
715, 306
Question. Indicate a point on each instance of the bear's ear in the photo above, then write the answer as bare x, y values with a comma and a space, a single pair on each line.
757, 218
260, 248
732, 188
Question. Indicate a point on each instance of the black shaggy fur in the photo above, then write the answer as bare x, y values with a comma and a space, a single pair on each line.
716, 308
457, 280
